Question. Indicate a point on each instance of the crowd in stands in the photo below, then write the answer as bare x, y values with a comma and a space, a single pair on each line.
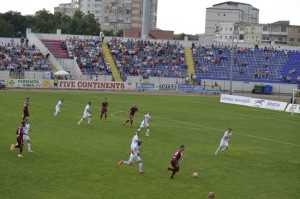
249, 64
135, 57
88, 54
21, 57
148, 58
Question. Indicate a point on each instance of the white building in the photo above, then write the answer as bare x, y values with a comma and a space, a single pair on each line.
228, 13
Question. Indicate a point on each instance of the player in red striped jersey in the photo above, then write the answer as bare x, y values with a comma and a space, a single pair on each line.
132, 111
174, 162
19, 144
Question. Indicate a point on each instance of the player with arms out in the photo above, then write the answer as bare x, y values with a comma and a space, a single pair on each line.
134, 156
26, 135
145, 124
19, 144
26, 108
224, 141
175, 161
132, 111
104, 109
86, 114
57, 107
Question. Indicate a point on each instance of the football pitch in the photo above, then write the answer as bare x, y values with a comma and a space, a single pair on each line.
71, 162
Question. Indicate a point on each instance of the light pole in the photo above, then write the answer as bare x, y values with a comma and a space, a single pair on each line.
231, 63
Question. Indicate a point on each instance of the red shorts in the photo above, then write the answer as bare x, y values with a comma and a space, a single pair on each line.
175, 165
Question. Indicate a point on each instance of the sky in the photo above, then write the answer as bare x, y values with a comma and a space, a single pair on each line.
182, 16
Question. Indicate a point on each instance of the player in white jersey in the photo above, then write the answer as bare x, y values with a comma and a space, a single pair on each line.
86, 114
135, 137
26, 135
224, 141
134, 156
57, 107
145, 123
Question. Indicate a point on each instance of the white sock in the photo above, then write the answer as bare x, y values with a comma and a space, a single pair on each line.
125, 162
80, 121
140, 167
147, 132
218, 150
28, 146
89, 120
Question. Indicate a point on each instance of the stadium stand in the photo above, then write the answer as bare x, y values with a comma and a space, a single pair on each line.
20, 58
148, 58
89, 55
56, 48
263, 65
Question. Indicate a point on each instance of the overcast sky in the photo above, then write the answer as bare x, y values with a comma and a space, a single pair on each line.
182, 16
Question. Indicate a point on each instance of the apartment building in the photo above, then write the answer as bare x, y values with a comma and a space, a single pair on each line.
113, 15
228, 12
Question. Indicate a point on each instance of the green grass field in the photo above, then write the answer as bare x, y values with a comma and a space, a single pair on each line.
68, 162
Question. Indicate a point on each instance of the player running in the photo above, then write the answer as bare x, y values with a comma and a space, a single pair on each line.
134, 156
224, 141
131, 111
175, 161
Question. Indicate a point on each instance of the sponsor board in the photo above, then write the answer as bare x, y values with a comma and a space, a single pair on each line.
210, 89
235, 99
186, 88
172, 87
268, 104
295, 108
27, 83
253, 102
75, 84
147, 86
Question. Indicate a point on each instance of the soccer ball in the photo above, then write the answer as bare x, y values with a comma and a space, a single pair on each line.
195, 175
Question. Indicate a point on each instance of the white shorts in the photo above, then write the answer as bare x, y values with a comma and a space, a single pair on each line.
26, 137
134, 158
57, 109
85, 115
224, 143
144, 124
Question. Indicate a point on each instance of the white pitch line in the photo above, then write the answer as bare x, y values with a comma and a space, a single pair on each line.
203, 126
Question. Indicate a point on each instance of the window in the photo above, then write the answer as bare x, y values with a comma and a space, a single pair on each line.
291, 39
257, 38
298, 40
265, 28
258, 29
230, 29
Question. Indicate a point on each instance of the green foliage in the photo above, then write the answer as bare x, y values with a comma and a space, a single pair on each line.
182, 35
81, 162
13, 23
108, 32
120, 33
6, 28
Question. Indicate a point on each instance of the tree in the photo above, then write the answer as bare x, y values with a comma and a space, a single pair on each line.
120, 33
16, 20
6, 28
45, 21
108, 32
